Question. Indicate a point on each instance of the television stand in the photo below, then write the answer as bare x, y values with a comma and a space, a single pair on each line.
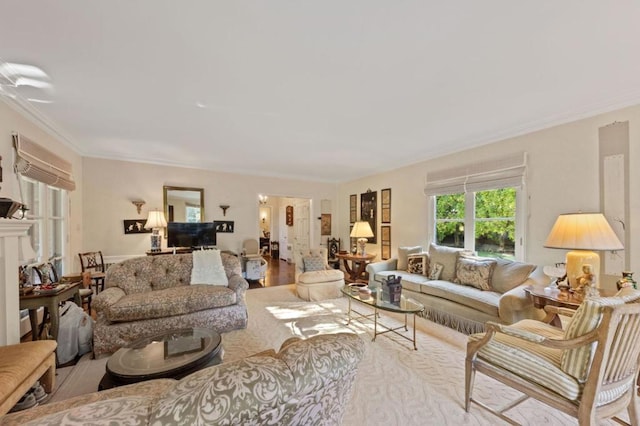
178, 250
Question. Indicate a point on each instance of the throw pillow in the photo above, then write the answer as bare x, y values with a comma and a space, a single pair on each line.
435, 270
313, 263
208, 269
475, 272
403, 255
509, 274
418, 263
447, 257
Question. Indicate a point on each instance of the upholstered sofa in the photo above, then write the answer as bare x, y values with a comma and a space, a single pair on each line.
306, 382
459, 290
152, 294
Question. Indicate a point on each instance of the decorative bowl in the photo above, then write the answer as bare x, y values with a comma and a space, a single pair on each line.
8, 207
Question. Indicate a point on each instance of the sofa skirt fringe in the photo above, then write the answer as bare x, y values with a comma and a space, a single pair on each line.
462, 325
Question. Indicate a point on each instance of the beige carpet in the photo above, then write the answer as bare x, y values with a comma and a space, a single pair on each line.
395, 384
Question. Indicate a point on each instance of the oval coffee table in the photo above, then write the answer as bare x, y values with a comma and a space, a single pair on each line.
173, 354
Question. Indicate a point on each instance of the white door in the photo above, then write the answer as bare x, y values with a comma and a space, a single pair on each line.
301, 225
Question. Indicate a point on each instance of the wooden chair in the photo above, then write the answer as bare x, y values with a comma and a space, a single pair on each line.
93, 262
589, 371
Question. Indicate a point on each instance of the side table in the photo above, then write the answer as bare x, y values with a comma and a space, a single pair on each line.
542, 296
355, 271
50, 300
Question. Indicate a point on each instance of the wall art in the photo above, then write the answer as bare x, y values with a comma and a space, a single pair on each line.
385, 205
369, 210
353, 208
135, 226
325, 224
385, 242
223, 226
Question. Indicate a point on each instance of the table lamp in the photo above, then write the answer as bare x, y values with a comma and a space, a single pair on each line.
155, 221
362, 231
582, 233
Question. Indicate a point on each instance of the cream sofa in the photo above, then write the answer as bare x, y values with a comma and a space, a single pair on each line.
463, 307
306, 382
152, 294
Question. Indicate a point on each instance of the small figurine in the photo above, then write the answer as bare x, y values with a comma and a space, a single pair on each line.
586, 282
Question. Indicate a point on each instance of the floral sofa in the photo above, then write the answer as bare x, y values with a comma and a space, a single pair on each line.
148, 295
462, 291
306, 382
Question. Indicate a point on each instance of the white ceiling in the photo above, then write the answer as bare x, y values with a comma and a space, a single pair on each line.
321, 90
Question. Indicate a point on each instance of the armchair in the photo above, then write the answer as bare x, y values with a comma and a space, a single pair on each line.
588, 371
315, 279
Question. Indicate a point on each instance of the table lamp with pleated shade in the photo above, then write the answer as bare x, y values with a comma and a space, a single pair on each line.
583, 234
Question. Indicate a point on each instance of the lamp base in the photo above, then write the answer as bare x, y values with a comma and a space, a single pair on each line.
583, 269
362, 246
156, 241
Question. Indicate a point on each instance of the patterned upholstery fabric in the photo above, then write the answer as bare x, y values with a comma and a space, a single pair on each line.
475, 272
152, 389
169, 302
308, 382
534, 362
576, 362
152, 294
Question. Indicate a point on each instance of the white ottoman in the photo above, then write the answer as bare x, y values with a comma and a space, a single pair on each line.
320, 285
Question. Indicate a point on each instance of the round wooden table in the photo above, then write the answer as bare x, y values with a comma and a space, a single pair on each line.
356, 271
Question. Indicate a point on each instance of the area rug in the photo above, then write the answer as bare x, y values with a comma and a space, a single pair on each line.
395, 385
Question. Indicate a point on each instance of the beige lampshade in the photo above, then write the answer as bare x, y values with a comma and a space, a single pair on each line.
582, 233
361, 229
155, 220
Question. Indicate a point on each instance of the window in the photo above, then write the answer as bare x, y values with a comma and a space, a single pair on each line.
47, 206
491, 229
480, 207
192, 213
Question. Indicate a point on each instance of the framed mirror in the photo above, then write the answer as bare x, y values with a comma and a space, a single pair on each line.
183, 204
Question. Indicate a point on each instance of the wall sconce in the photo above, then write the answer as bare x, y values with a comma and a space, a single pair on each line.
138, 204
262, 199
224, 208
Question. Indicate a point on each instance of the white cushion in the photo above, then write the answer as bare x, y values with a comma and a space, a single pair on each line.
208, 269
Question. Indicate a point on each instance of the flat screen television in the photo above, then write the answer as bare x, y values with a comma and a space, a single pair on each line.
191, 234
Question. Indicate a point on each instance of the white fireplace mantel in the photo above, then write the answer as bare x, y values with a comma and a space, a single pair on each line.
11, 231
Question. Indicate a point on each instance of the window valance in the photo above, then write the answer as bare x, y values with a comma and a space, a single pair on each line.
38, 163
505, 172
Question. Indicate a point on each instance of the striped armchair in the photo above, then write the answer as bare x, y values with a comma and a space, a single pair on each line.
588, 371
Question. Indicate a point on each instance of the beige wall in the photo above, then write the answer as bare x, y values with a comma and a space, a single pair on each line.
11, 121
562, 177
112, 185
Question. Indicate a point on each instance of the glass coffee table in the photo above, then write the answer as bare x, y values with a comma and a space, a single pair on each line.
406, 306
173, 354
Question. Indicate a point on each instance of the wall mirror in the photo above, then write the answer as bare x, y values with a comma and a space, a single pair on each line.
183, 204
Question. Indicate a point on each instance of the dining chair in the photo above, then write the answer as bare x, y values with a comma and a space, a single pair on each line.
93, 262
588, 371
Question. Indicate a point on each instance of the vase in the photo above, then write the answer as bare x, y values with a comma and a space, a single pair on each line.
626, 280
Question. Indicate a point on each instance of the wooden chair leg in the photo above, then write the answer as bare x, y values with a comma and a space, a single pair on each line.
469, 376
